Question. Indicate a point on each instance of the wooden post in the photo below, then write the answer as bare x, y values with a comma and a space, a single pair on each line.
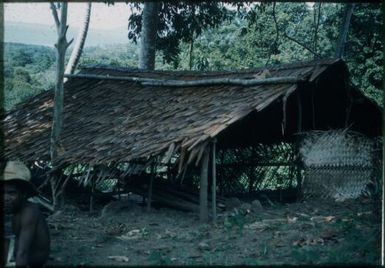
92, 193
299, 129
150, 186
214, 183
203, 212
299, 115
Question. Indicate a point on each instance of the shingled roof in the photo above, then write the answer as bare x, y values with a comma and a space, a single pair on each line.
116, 115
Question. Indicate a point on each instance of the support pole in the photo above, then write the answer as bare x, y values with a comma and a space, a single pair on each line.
203, 211
299, 129
299, 115
150, 186
92, 193
214, 182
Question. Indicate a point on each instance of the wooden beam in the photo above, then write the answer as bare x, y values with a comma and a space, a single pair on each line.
224, 80
203, 210
214, 182
108, 77
200, 82
258, 164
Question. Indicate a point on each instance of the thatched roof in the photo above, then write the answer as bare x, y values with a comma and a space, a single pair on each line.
113, 119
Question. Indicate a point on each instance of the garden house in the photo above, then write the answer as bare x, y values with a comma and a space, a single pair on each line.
166, 122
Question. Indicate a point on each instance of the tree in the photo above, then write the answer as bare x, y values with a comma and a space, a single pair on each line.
364, 50
177, 23
344, 31
80, 40
57, 122
148, 36
305, 32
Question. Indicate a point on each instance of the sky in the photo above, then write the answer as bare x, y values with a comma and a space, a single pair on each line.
102, 16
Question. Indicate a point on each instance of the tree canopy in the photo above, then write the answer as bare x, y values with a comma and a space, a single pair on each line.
178, 23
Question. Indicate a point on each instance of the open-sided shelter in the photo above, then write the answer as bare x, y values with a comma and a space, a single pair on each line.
121, 114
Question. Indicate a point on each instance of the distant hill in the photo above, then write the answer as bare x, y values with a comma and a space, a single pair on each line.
40, 34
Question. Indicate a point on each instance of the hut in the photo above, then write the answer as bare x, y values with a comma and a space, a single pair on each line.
123, 116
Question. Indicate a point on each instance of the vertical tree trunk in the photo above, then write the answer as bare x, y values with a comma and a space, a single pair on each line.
148, 36
344, 31
203, 209
57, 122
317, 17
80, 40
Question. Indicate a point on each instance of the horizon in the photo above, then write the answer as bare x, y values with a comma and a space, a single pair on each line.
40, 13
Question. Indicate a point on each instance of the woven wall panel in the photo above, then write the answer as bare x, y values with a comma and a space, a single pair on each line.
335, 183
338, 164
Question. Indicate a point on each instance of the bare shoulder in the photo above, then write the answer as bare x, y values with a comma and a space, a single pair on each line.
31, 211
32, 207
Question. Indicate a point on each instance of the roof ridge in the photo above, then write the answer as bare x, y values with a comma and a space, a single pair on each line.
275, 67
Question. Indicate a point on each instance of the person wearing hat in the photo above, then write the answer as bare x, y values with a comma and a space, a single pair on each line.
26, 222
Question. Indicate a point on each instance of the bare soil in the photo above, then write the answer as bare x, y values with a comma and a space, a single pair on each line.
308, 232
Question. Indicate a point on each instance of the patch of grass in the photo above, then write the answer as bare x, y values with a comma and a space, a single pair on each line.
357, 248
305, 256
235, 221
251, 261
159, 258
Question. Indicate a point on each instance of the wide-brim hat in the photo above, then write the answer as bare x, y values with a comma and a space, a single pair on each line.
16, 171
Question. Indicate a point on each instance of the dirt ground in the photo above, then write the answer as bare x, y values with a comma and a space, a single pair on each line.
308, 232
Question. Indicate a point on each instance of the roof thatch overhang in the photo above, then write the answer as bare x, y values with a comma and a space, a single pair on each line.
119, 114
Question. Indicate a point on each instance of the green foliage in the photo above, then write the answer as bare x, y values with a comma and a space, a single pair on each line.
251, 39
240, 170
25, 68
178, 22
22, 75
118, 55
364, 51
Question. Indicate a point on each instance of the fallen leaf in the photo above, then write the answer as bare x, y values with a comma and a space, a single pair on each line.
328, 233
133, 232
119, 258
131, 235
329, 218
170, 234
303, 215
363, 213
291, 219
299, 242
203, 246
317, 218
257, 225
